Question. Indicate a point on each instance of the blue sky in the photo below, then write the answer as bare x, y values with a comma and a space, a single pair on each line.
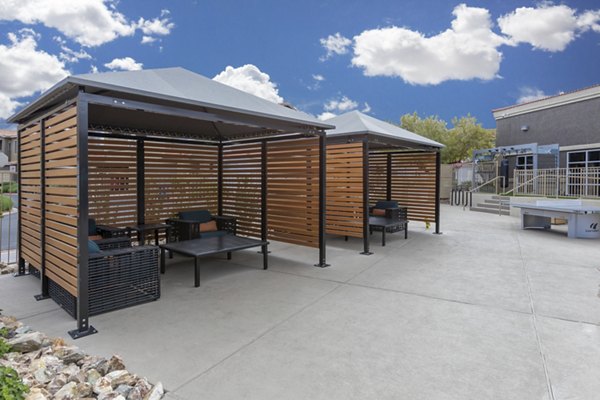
386, 58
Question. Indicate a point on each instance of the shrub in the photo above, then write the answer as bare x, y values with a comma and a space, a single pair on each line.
4, 332
4, 347
11, 386
9, 187
5, 203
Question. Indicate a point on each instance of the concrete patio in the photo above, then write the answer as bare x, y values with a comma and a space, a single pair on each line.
484, 311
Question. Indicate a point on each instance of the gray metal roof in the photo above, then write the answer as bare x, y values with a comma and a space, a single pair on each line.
174, 85
355, 122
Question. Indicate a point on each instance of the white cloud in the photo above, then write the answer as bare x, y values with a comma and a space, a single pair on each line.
342, 104
250, 79
25, 70
326, 115
88, 22
69, 55
528, 94
547, 27
468, 50
148, 39
318, 78
367, 108
124, 64
335, 44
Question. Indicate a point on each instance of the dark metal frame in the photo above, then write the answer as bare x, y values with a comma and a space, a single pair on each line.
83, 326
322, 190
366, 239
438, 163
21, 260
140, 183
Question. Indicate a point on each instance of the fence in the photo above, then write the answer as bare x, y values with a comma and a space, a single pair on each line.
9, 217
558, 182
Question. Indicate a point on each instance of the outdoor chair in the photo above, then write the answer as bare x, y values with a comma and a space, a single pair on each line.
123, 276
200, 224
96, 232
390, 210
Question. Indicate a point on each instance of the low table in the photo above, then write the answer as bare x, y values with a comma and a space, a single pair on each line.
208, 246
385, 223
142, 229
583, 221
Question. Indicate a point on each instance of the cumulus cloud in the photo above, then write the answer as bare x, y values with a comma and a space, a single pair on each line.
528, 94
25, 70
326, 115
148, 39
250, 79
124, 64
341, 105
160, 26
69, 55
468, 50
335, 44
547, 27
318, 78
88, 22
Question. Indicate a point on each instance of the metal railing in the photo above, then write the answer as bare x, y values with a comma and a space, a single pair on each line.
558, 182
9, 218
463, 197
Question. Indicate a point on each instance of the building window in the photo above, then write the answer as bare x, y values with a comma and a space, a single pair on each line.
583, 159
524, 162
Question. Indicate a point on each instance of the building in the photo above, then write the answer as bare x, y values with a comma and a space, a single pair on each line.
8, 146
571, 120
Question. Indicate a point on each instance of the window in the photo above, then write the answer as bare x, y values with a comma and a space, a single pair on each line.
524, 162
583, 173
583, 159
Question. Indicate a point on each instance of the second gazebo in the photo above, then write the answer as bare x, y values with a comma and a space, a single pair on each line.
370, 160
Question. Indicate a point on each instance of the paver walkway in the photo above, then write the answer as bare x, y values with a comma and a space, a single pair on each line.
484, 311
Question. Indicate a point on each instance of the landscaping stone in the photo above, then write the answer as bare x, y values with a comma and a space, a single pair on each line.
55, 370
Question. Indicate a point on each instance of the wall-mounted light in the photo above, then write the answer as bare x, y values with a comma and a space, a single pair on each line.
524, 128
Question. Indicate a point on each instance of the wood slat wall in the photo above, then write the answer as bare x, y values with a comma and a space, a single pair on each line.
61, 204
345, 189
113, 181
413, 182
31, 215
179, 177
293, 191
242, 169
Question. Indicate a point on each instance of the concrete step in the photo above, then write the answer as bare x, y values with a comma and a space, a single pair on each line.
496, 197
493, 206
496, 203
490, 211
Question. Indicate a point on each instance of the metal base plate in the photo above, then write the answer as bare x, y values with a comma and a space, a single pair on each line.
366, 253
322, 265
18, 275
76, 333
40, 297
438, 233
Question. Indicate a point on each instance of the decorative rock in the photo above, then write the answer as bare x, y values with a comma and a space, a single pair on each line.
68, 391
124, 390
23, 329
27, 342
83, 389
156, 393
120, 377
70, 354
38, 394
115, 363
92, 376
102, 385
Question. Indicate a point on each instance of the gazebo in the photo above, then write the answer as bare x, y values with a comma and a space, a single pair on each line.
369, 160
137, 147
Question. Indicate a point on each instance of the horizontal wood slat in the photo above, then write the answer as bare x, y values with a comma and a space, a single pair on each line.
345, 190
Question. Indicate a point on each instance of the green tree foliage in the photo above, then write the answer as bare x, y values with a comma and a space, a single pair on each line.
465, 136
11, 386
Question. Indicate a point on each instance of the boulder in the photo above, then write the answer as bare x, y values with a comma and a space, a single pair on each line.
27, 342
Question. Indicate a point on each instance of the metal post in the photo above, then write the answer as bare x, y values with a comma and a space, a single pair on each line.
322, 214
389, 177
220, 180
141, 184
264, 231
438, 166
43, 278
83, 326
366, 236
21, 260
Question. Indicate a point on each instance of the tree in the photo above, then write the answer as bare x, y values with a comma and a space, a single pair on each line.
465, 136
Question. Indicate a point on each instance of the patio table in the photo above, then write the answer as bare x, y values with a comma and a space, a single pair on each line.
208, 246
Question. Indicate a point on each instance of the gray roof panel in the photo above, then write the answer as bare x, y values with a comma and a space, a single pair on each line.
355, 122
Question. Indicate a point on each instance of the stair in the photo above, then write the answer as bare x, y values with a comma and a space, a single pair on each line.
493, 204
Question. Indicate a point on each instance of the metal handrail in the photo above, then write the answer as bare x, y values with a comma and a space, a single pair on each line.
488, 182
521, 185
